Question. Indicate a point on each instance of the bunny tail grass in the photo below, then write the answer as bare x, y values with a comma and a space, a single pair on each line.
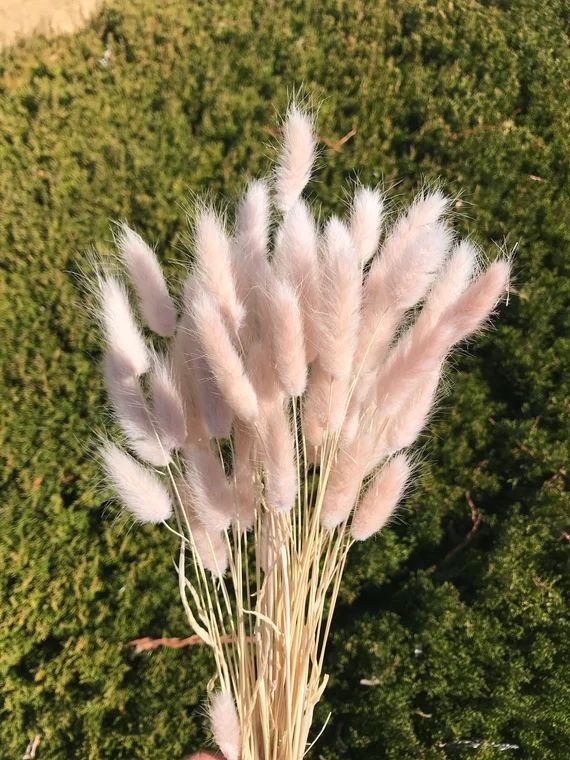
381, 498
297, 157
156, 304
280, 405
142, 493
225, 724
366, 218
124, 338
223, 358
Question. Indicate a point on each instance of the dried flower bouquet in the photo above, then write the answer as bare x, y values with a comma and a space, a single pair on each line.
303, 362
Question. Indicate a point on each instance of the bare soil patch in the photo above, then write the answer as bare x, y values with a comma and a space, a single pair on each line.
22, 18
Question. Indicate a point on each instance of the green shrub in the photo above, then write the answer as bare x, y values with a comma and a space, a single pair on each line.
466, 639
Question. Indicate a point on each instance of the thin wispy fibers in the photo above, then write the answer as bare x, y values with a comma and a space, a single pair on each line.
274, 432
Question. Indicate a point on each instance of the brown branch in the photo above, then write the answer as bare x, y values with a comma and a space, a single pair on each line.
475, 523
339, 143
559, 473
172, 642
146, 643
472, 131
331, 144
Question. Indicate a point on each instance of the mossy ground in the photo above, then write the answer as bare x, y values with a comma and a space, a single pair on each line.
475, 94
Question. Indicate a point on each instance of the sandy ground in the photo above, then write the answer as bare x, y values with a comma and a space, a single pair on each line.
20, 18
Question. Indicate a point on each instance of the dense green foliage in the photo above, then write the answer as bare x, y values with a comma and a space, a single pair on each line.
465, 645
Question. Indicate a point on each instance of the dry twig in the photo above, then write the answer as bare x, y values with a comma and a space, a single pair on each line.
476, 522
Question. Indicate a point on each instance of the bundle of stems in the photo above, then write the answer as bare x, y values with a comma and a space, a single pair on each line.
303, 362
